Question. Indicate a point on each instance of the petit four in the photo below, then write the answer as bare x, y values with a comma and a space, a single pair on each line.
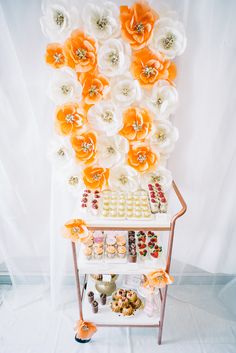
158, 202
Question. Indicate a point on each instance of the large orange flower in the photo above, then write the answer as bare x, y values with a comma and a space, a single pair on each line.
85, 147
137, 124
95, 87
76, 229
137, 23
158, 278
95, 177
69, 118
55, 55
142, 158
148, 67
81, 52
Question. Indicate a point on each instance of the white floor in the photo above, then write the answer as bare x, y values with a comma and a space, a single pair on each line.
205, 326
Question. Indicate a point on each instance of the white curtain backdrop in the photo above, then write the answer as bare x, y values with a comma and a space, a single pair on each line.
33, 207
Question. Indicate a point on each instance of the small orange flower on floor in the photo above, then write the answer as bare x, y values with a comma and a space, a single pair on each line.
148, 67
142, 158
81, 52
137, 23
137, 124
69, 118
76, 229
95, 87
85, 330
55, 55
95, 177
84, 146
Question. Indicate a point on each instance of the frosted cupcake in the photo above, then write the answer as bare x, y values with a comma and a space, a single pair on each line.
111, 251
88, 252
121, 251
120, 239
98, 253
111, 241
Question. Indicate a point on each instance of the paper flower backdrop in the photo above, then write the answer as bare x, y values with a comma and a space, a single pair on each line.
113, 84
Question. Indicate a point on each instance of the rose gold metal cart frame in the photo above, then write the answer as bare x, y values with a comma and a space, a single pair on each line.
163, 292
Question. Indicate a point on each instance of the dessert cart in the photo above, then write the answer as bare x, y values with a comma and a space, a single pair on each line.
162, 222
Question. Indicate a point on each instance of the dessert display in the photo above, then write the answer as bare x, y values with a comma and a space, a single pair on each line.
90, 201
158, 202
125, 205
148, 245
125, 302
132, 247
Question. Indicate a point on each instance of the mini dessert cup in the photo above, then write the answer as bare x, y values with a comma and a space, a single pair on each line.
90, 297
111, 240
88, 252
95, 307
103, 298
111, 251
98, 252
120, 239
121, 250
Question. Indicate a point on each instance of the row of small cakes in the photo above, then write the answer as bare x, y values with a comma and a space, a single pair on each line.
148, 244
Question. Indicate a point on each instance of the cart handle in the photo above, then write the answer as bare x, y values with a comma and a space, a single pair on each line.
182, 202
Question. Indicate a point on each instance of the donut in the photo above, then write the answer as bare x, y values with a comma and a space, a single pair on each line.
137, 304
115, 307
127, 311
132, 296
123, 302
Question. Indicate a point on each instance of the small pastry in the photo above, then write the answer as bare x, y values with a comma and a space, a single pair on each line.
105, 213
98, 252
111, 251
94, 306
110, 240
98, 245
120, 293
89, 242
120, 239
121, 251
128, 311
103, 298
136, 304
132, 296
115, 307
123, 302
88, 252
90, 297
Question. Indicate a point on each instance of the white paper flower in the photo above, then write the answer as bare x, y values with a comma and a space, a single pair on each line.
60, 152
71, 179
59, 18
102, 22
125, 90
161, 175
162, 99
111, 150
123, 178
64, 87
164, 136
169, 37
105, 117
114, 57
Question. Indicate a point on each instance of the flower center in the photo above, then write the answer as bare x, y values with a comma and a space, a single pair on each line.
102, 23
81, 53
61, 152
107, 116
137, 126
70, 118
139, 27
93, 91
142, 158
168, 41
74, 180
114, 57
86, 146
110, 150
65, 89
148, 71
58, 57
125, 91
159, 101
96, 176
123, 179
75, 230
59, 18
161, 136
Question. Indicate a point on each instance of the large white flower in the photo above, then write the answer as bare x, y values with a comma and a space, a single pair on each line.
60, 152
64, 87
111, 150
123, 178
59, 18
169, 37
125, 90
164, 136
162, 99
161, 175
105, 117
102, 22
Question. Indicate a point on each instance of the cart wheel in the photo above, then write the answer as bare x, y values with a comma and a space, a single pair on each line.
79, 340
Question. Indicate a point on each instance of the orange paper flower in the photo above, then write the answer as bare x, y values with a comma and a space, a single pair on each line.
76, 229
55, 55
95, 87
69, 118
95, 177
141, 158
85, 147
85, 330
137, 124
137, 23
158, 279
148, 67
81, 52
